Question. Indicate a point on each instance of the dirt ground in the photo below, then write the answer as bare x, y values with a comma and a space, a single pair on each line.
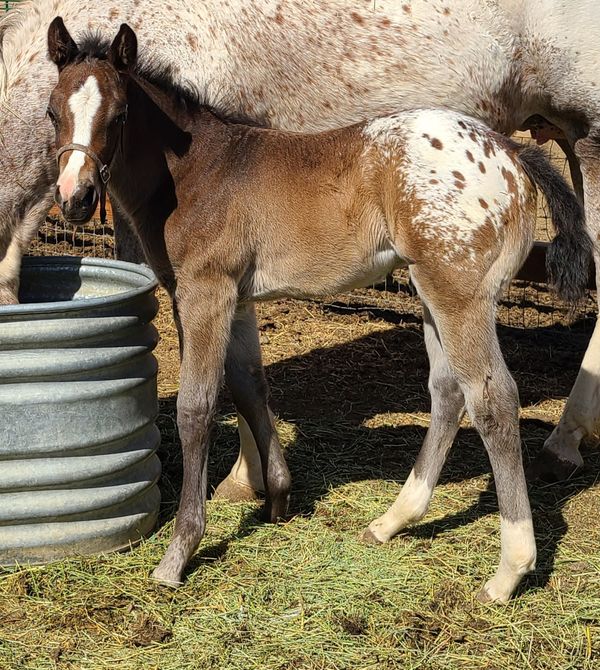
348, 382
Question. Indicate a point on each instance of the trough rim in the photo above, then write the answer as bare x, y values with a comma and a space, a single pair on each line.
80, 305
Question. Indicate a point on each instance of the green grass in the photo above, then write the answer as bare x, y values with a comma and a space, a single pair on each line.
308, 594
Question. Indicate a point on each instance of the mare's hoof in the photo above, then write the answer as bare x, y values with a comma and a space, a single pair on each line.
235, 491
165, 581
549, 468
368, 537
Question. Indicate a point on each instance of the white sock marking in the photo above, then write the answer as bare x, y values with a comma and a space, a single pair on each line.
517, 558
410, 506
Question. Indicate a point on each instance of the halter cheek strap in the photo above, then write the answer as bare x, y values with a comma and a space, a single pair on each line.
102, 169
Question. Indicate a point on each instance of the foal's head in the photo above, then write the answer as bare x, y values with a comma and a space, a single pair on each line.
88, 108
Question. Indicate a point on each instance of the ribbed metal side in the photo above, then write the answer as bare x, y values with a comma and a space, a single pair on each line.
78, 402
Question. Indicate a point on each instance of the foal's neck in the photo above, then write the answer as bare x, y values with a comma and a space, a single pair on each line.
163, 144
159, 142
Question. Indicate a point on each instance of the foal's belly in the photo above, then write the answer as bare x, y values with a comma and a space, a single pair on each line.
318, 276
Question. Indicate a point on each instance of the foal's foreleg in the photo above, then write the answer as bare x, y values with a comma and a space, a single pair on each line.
447, 408
246, 380
205, 316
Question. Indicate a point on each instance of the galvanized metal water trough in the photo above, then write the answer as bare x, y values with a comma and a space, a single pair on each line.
78, 402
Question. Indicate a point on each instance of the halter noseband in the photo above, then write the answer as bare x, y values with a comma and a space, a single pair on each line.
102, 169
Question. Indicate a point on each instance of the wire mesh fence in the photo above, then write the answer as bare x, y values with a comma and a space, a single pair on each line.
58, 238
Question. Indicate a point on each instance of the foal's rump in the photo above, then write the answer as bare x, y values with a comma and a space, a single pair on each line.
429, 188
461, 198
453, 193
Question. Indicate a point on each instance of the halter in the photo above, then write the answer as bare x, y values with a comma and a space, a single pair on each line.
103, 168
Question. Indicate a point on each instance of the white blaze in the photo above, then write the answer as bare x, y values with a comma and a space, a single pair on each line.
83, 104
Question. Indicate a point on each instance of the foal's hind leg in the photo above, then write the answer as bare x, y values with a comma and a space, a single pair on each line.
245, 480
468, 332
205, 316
246, 380
447, 408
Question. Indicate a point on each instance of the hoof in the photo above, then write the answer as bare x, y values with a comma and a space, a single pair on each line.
277, 510
235, 491
164, 581
489, 594
368, 537
549, 468
484, 597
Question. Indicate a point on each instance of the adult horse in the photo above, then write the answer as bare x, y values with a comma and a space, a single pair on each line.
309, 65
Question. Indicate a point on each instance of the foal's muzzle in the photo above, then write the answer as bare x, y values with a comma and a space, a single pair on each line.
80, 207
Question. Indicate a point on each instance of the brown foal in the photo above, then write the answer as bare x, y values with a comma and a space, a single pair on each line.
229, 214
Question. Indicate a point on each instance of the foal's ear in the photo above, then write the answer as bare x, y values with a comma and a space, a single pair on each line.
61, 46
123, 51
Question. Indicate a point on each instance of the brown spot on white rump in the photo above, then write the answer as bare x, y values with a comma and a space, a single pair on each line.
511, 182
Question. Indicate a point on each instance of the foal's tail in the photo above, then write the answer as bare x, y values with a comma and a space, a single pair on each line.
568, 256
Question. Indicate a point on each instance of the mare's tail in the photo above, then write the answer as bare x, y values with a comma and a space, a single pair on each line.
569, 255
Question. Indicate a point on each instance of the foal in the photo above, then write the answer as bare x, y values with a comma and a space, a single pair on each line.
229, 214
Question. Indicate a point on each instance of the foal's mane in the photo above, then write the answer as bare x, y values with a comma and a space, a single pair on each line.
160, 75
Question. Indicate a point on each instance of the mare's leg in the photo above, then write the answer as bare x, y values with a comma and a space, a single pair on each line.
560, 456
574, 168
447, 408
25, 230
246, 379
10, 267
205, 314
